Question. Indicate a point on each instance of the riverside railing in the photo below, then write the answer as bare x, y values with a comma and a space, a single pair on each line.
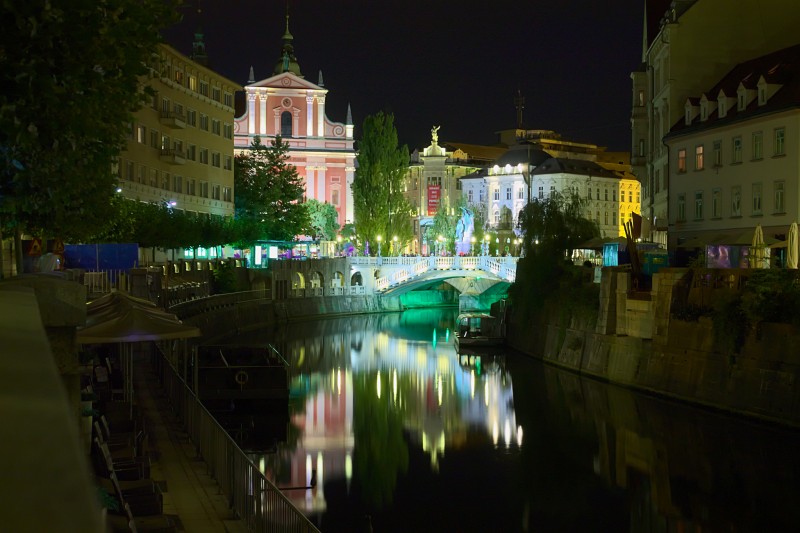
253, 498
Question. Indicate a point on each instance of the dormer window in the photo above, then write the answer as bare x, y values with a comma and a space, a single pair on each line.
744, 96
762, 95
742, 102
723, 109
688, 118
703, 111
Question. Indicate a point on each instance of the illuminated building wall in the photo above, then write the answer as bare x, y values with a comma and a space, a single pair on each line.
289, 105
180, 146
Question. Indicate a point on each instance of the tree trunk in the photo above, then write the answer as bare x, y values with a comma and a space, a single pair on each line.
18, 250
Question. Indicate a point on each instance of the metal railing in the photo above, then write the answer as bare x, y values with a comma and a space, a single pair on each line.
253, 498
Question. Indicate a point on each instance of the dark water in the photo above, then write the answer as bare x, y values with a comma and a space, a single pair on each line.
407, 436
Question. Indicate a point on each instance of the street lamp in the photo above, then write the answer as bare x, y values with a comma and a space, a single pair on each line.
486, 244
497, 247
472, 246
394, 245
379, 245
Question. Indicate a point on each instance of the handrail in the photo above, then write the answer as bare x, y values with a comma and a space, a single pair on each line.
257, 501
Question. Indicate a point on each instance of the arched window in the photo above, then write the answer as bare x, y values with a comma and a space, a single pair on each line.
286, 124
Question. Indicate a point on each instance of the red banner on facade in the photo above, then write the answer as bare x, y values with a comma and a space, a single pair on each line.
434, 196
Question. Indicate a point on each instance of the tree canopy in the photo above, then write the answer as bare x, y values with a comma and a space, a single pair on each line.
323, 220
380, 207
71, 78
269, 192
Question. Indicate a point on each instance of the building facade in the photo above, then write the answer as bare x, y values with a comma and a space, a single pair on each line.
687, 45
435, 178
180, 147
735, 154
288, 105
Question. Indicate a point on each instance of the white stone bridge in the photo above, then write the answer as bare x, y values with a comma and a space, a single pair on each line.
468, 274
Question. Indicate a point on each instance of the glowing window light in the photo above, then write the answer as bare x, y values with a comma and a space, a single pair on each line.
486, 393
379, 385
495, 432
394, 385
507, 433
439, 387
519, 436
472, 384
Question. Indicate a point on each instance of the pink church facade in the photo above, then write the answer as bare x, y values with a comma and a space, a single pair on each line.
288, 105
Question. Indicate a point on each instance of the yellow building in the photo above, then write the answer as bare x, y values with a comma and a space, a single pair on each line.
180, 147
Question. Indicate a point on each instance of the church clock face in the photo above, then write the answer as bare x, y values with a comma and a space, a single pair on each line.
286, 81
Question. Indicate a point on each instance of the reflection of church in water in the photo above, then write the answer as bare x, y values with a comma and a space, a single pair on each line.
440, 397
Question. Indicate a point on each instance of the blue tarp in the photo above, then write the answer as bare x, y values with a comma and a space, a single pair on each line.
101, 256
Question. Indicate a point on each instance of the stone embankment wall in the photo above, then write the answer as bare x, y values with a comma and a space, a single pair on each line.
636, 343
229, 314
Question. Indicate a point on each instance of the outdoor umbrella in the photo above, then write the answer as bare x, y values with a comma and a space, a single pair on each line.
757, 249
792, 247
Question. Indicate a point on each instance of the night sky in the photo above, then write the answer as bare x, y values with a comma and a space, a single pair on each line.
440, 62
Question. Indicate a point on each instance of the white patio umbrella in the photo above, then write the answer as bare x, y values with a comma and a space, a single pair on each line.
792, 247
757, 249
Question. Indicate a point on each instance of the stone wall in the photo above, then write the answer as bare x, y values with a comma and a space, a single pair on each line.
679, 359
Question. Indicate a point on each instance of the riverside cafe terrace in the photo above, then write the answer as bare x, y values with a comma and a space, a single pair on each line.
262, 251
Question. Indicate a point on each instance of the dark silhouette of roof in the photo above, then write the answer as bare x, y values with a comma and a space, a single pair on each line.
556, 165
522, 153
781, 67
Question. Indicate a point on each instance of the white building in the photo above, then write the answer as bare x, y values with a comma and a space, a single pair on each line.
687, 46
735, 154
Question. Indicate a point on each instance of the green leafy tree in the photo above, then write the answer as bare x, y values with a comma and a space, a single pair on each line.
443, 225
552, 228
380, 207
323, 219
71, 77
269, 193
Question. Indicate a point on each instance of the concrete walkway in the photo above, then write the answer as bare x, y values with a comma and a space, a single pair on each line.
190, 494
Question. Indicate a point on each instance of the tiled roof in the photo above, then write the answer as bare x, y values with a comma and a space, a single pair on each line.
556, 165
781, 67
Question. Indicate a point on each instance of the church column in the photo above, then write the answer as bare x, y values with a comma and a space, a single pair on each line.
321, 184
309, 116
251, 113
262, 127
310, 181
321, 116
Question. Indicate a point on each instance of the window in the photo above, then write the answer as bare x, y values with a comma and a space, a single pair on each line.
227, 194
191, 153
142, 176
597, 195
520, 193
541, 192
717, 153
698, 157
141, 134
497, 217
191, 117
552, 190
215, 159
227, 130
165, 142
640, 98
621, 196
192, 83
758, 145
229, 99
191, 183
177, 184
737, 150
215, 192
736, 201
228, 162
286, 124
780, 188
641, 147
155, 139
682, 160
179, 77
780, 138
589, 193
497, 193
215, 126
698, 205
508, 193
203, 122
756, 198
165, 181
630, 196
204, 155
716, 196
204, 189
481, 195
204, 88
469, 196
165, 106
605, 218
605, 193
155, 176
216, 94
335, 197
681, 207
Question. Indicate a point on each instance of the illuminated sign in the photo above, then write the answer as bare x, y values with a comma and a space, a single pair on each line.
434, 196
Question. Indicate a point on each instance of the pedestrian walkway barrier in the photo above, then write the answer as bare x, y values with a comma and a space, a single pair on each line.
257, 501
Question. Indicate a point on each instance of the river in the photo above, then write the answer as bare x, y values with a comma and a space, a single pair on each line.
405, 435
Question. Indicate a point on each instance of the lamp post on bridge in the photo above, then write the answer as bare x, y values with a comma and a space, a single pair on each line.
472, 246
379, 245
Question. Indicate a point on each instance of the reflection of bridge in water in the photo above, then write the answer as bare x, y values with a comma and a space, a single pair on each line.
467, 274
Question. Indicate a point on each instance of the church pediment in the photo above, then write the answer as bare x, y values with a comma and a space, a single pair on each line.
286, 80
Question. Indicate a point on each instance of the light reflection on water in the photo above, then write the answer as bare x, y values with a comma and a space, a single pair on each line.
399, 428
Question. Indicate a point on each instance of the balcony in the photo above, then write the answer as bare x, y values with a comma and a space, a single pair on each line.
173, 156
171, 119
